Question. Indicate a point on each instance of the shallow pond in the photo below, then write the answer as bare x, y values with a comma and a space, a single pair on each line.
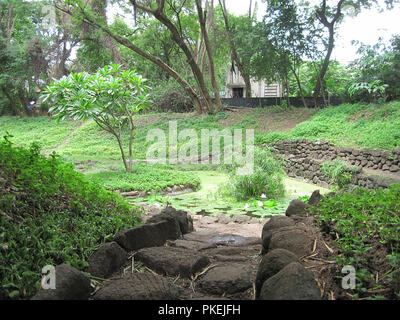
207, 202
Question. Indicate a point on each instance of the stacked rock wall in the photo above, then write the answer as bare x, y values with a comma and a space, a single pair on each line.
305, 158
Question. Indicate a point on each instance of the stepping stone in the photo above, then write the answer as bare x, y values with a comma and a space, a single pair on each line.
71, 284
191, 245
227, 279
293, 239
173, 261
271, 264
293, 282
106, 259
139, 286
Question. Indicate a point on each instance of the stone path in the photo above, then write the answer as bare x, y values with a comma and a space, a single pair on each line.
176, 256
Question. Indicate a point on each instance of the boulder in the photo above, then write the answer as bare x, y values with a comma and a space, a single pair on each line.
71, 284
272, 263
229, 279
144, 236
139, 286
183, 219
293, 282
315, 198
296, 207
294, 239
107, 259
273, 224
172, 261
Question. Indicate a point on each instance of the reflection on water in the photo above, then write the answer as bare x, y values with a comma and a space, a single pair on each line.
227, 239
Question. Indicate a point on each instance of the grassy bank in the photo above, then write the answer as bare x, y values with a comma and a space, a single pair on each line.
50, 214
358, 125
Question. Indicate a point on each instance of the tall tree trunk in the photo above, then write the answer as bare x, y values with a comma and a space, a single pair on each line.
324, 67
235, 56
209, 52
99, 6
330, 25
299, 86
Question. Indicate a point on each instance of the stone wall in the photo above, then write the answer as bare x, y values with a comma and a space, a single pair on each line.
374, 168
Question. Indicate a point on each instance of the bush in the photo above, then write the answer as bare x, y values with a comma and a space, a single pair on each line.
169, 97
267, 178
339, 173
50, 214
366, 226
270, 137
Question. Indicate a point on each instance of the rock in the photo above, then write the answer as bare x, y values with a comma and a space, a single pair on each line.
223, 218
294, 239
71, 284
106, 260
273, 224
241, 218
315, 198
139, 286
208, 220
144, 236
229, 279
172, 261
272, 263
185, 221
191, 245
293, 282
296, 207
173, 230
394, 168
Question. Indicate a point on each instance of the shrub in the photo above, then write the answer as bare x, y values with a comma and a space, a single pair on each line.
267, 178
270, 137
50, 214
366, 226
339, 173
169, 97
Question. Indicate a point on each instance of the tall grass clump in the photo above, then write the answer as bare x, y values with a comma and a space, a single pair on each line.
266, 179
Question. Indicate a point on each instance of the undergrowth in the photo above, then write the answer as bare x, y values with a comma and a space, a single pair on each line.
50, 214
365, 225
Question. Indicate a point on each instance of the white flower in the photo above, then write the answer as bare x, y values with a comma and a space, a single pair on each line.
246, 206
260, 204
263, 196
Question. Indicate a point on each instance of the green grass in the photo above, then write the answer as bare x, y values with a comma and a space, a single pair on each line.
145, 178
367, 126
45, 131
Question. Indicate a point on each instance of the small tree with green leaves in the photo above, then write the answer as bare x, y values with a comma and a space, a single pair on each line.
111, 97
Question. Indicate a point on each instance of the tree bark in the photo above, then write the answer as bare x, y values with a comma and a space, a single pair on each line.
209, 53
177, 37
330, 25
299, 86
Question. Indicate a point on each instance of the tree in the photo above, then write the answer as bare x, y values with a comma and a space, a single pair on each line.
236, 59
170, 14
330, 17
111, 97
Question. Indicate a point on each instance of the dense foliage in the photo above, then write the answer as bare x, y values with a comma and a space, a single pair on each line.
50, 214
365, 225
266, 178
111, 97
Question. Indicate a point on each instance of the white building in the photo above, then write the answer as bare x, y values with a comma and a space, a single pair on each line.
236, 88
